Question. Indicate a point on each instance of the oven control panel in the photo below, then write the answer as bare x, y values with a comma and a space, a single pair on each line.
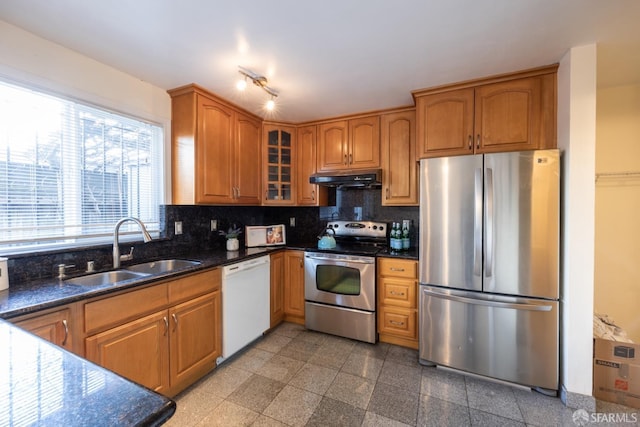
359, 228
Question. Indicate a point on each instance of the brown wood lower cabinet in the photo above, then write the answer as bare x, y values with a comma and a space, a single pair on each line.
168, 349
57, 327
397, 301
137, 350
194, 348
277, 288
294, 287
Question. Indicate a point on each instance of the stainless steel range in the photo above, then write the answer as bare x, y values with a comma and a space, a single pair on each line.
340, 283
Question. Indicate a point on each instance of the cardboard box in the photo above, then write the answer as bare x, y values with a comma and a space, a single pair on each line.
616, 372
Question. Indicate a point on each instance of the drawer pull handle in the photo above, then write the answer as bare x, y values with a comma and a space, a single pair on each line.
396, 269
66, 331
397, 293
396, 323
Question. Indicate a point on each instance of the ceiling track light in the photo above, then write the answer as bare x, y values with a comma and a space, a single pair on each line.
260, 81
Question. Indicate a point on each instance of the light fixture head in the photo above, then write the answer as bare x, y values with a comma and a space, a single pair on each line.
270, 105
242, 84
258, 80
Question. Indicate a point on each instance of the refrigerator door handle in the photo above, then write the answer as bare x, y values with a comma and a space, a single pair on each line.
488, 303
488, 260
477, 223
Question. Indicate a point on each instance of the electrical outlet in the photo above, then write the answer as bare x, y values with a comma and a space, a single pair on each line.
214, 225
178, 227
292, 221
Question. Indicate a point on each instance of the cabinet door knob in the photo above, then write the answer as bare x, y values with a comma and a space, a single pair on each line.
345, 160
386, 196
175, 320
266, 194
166, 325
313, 195
351, 158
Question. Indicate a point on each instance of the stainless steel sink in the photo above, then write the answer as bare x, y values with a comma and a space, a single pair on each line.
163, 266
106, 278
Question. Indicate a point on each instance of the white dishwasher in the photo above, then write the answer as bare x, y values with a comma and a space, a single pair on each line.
245, 303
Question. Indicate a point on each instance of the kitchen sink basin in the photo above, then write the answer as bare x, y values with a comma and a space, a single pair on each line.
163, 266
106, 278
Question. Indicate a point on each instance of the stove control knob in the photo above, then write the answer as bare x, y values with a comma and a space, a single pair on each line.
381, 228
375, 227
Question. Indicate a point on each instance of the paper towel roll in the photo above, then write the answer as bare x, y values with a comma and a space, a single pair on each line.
4, 274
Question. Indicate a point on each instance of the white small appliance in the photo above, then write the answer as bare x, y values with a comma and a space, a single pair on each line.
265, 235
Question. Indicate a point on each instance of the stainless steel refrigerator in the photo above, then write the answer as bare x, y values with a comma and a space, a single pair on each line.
489, 257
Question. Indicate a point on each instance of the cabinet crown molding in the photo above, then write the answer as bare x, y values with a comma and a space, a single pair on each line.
531, 72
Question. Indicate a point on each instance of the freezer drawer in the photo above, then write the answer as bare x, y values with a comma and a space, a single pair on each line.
508, 338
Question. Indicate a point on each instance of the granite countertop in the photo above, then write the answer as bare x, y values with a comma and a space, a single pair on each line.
42, 384
38, 295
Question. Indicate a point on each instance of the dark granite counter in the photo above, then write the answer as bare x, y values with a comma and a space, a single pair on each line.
412, 253
38, 295
42, 384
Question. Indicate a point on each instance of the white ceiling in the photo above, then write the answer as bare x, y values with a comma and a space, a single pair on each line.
334, 57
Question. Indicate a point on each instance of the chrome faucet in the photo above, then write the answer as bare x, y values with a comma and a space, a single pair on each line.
116, 248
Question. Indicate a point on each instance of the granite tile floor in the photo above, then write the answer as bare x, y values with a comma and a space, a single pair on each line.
296, 377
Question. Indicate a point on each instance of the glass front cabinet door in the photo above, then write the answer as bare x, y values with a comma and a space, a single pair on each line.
279, 143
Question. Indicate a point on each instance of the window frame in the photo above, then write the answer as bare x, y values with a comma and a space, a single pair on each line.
127, 234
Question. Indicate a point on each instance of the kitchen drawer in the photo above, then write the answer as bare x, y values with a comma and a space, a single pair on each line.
398, 268
112, 311
397, 292
194, 285
398, 322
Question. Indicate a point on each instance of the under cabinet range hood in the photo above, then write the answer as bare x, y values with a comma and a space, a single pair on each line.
364, 178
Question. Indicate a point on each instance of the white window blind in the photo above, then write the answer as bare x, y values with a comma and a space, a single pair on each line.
70, 171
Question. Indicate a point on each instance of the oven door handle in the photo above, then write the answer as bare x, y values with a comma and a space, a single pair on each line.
355, 261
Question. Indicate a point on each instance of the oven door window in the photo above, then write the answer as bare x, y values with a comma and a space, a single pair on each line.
338, 279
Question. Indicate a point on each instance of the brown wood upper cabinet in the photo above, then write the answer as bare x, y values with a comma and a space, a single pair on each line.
503, 113
215, 150
278, 151
399, 166
349, 144
305, 165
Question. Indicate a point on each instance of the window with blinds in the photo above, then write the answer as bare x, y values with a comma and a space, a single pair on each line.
70, 171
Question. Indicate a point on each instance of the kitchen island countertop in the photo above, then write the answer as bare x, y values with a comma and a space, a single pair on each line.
42, 384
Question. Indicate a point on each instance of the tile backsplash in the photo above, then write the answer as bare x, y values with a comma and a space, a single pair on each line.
197, 237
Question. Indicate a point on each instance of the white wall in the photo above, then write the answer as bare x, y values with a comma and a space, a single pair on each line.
576, 138
617, 246
28, 59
